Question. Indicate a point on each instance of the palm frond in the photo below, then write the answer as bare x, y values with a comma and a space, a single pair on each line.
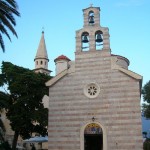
8, 8
12, 3
8, 16
4, 31
8, 25
2, 43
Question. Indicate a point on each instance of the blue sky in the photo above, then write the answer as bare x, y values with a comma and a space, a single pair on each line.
128, 22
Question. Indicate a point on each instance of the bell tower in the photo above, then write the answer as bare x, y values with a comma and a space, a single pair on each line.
92, 36
41, 59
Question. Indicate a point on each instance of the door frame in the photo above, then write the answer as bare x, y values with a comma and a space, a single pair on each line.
103, 131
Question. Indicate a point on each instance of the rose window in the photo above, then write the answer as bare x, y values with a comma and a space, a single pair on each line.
91, 90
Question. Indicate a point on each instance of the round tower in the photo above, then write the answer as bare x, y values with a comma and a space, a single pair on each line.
61, 63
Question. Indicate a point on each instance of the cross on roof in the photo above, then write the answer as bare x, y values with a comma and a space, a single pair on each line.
91, 5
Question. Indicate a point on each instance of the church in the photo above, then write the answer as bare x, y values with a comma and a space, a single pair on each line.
94, 101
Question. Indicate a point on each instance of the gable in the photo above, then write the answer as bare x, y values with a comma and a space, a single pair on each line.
56, 78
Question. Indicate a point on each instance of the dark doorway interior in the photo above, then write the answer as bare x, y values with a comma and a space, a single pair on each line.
93, 142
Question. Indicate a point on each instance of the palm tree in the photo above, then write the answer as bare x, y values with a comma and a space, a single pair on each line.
8, 8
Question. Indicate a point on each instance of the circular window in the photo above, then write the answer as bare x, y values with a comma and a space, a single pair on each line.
91, 90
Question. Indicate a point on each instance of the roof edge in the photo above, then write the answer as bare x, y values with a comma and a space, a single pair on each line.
56, 78
131, 73
122, 57
62, 57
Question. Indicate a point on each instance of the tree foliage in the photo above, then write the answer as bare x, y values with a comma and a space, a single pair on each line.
146, 144
3, 144
24, 107
146, 98
8, 9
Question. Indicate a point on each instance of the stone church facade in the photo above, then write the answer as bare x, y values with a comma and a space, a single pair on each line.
94, 101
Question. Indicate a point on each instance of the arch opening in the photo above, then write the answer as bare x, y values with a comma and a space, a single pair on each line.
91, 18
85, 41
93, 137
99, 40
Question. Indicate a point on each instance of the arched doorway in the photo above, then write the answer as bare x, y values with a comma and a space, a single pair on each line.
93, 137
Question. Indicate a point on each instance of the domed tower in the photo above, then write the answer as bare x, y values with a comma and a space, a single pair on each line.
41, 59
61, 63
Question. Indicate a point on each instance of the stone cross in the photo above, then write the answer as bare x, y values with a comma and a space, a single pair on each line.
91, 5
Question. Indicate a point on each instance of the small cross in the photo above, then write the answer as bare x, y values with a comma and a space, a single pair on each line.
91, 5
42, 29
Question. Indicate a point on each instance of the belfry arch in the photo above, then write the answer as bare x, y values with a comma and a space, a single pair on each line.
98, 40
93, 136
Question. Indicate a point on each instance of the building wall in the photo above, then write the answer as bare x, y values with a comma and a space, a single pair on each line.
116, 108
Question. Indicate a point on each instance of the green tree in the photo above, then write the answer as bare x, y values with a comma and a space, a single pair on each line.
146, 98
145, 134
2, 130
25, 109
8, 8
146, 144
4, 145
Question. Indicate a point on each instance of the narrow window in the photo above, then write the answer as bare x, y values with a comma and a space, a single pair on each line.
85, 41
91, 18
99, 40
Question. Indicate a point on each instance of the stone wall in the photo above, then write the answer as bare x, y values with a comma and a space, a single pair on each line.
116, 108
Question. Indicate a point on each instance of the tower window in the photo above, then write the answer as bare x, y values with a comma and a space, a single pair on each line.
99, 40
41, 62
85, 41
37, 62
91, 17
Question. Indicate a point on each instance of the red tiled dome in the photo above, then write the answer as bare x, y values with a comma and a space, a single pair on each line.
62, 57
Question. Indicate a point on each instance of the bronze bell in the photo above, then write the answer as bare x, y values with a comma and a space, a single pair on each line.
91, 19
85, 39
99, 38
